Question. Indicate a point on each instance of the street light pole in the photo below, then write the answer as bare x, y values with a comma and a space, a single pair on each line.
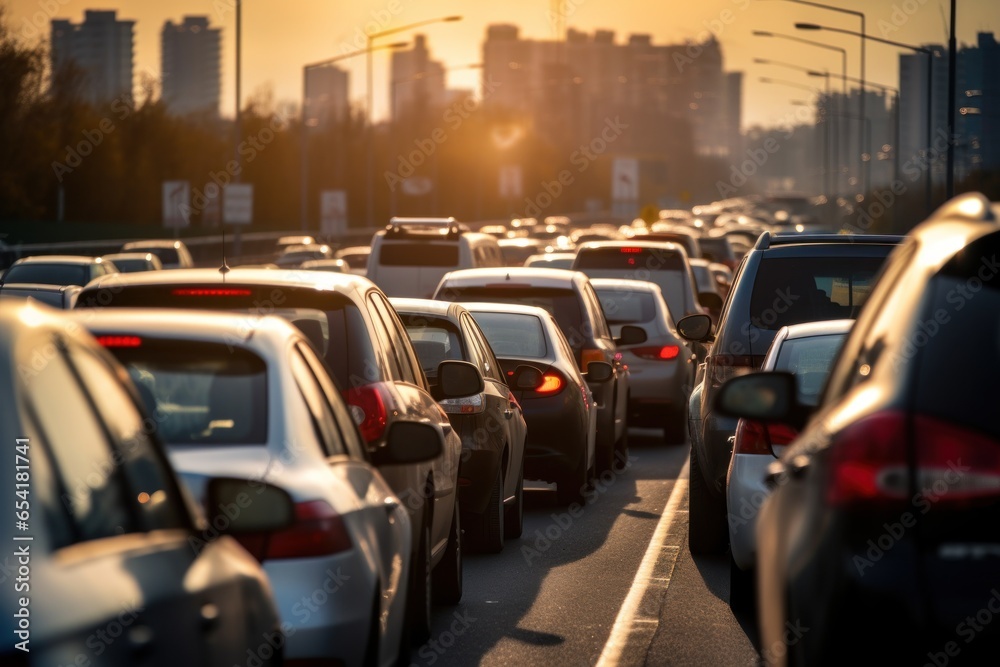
952, 64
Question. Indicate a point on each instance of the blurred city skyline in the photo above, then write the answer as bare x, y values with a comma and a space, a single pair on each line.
319, 30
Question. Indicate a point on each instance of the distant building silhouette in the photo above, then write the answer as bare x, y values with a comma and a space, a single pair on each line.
326, 96
191, 65
102, 48
418, 82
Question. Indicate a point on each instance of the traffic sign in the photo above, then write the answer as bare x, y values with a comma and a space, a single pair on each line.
237, 204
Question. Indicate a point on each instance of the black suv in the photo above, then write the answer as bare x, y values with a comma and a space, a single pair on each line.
783, 280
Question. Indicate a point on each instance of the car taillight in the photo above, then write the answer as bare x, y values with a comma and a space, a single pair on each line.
368, 410
724, 367
211, 291
588, 355
120, 341
868, 461
318, 531
757, 438
658, 353
552, 383
956, 464
467, 405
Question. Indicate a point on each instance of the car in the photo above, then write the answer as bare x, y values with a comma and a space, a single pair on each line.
58, 296
356, 332
334, 265
516, 251
552, 260
679, 234
806, 351
285, 242
108, 527
498, 231
356, 258
172, 254
719, 249
248, 396
570, 298
882, 515
293, 256
558, 403
410, 255
784, 280
707, 284
130, 262
663, 263
55, 270
490, 423
662, 368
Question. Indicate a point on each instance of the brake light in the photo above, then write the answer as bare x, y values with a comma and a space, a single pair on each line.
551, 384
665, 353
119, 341
757, 438
368, 410
868, 461
956, 464
211, 291
467, 405
318, 531
586, 356
631, 251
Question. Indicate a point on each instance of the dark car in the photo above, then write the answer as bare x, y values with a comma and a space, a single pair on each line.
719, 249
490, 423
882, 524
784, 280
364, 346
558, 404
56, 270
571, 299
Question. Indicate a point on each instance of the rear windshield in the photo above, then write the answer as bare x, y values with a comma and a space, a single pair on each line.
330, 321
792, 290
716, 250
166, 255
131, 265
810, 360
418, 254
629, 258
626, 307
200, 393
513, 335
563, 304
48, 274
434, 340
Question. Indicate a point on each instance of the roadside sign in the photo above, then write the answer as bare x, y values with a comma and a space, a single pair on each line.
176, 204
511, 181
237, 204
333, 212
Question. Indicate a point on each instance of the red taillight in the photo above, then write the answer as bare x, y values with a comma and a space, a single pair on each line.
119, 341
868, 461
955, 464
758, 438
368, 410
318, 531
211, 291
664, 353
551, 384
631, 251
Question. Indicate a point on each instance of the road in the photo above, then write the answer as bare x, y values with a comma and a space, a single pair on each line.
553, 596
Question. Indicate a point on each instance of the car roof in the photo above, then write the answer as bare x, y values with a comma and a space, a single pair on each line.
445, 309
551, 255
825, 328
20, 320
153, 243
509, 308
697, 261
623, 284
355, 250
535, 276
128, 255
59, 259
322, 280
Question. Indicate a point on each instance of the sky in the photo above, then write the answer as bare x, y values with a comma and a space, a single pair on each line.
280, 37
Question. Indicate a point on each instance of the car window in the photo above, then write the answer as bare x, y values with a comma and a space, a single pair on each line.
385, 340
44, 487
408, 365
324, 423
348, 429
809, 359
513, 334
48, 274
600, 323
434, 340
418, 254
487, 364
151, 487
622, 306
84, 460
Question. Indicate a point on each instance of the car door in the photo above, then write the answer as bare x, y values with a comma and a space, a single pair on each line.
602, 334
124, 557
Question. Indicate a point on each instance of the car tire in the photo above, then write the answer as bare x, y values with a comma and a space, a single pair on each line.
707, 530
418, 599
514, 514
675, 427
447, 576
488, 536
742, 594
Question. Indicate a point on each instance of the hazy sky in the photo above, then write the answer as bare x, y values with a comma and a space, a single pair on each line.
279, 37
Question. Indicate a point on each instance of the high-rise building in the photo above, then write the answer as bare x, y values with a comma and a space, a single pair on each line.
101, 48
326, 96
418, 82
191, 65
916, 137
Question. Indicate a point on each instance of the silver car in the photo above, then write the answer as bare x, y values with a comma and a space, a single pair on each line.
661, 369
247, 396
807, 351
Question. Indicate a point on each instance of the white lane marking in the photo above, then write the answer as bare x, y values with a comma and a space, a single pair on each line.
626, 620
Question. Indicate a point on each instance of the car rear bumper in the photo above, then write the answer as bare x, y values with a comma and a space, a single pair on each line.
556, 442
745, 494
476, 475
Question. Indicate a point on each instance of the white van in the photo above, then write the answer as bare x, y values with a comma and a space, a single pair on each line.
411, 255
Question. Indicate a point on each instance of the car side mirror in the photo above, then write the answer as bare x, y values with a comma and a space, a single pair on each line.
599, 371
766, 397
458, 379
409, 442
710, 300
696, 328
631, 335
527, 377
248, 506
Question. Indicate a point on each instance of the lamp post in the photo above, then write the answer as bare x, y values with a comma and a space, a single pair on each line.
305, 121
928, 185
370, 162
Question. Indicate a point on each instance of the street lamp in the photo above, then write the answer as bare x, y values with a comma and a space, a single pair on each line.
930, 85
304, 203
370, 167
